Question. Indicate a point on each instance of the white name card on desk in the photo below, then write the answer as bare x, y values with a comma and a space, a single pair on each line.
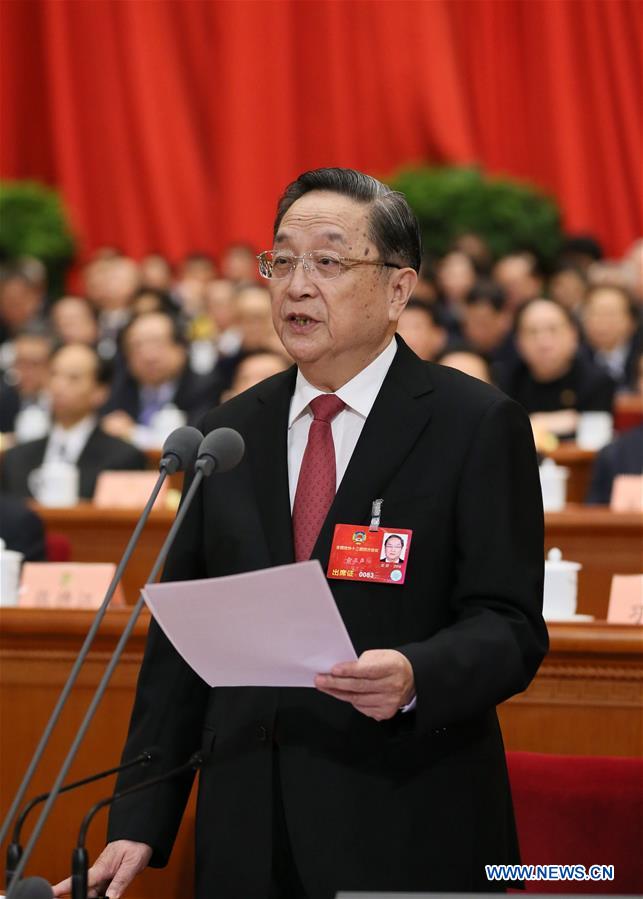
278, 627
67, 585
127, 490
626, 599
627, 493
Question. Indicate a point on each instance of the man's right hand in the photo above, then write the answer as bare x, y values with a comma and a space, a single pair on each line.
114, 869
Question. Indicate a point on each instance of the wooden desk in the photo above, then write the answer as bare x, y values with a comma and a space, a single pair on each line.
604, 542
101, 535
586, 699
579, 462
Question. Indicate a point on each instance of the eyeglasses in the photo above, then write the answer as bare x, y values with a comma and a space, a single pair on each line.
323, 264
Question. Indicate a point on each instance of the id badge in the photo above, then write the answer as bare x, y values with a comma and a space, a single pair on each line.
378, 555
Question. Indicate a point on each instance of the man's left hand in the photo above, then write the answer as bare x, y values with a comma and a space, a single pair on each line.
378, 684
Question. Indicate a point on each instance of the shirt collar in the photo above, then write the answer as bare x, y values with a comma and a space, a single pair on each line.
359, 393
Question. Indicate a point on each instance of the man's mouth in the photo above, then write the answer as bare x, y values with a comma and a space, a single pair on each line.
300, 320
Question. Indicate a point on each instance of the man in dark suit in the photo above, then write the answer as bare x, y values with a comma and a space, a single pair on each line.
157, 375
78, 382
391, 774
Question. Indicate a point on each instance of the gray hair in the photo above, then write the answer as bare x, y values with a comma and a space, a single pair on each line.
394, 228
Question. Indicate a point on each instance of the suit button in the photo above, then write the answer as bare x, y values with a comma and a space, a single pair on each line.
262, 733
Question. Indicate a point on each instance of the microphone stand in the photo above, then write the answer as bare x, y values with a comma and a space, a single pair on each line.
14, 850
79, 859
80, 659
100, 690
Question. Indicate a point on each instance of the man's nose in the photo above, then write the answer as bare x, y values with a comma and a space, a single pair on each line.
301, 281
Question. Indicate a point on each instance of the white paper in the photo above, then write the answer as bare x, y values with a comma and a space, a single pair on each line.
277, 627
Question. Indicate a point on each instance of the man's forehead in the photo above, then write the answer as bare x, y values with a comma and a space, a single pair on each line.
327, 215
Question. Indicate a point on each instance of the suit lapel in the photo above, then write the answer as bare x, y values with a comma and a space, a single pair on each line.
267, 452
398, 417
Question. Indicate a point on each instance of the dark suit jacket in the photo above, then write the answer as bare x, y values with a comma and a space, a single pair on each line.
623, 456
195, 395
585, 387
102, 453
21, 529
419, 802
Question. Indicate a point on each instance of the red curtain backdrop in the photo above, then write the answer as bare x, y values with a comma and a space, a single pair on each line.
174, 124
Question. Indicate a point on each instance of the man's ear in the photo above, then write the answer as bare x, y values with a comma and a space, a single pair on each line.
401, 286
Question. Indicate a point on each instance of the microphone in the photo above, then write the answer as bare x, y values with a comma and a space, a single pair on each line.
33, 888
216, 447
178, 453
14, 850
220, 451
79, 858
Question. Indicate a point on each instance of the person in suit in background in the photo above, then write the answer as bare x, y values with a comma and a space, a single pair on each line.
613, 332
157, 375
23, 384
78, 385
390, 774
622, 456
423, 329
22, 529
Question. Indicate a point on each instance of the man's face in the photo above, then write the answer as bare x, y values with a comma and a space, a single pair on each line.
153, 357
607, 320
343, 319
546, 340
31, 364
75, 392
253, 319
74, 322
393, 549
484, 327
19, 303
513, 274
421, 334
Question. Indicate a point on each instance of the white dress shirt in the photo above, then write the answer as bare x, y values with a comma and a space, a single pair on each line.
67, 444
359, 394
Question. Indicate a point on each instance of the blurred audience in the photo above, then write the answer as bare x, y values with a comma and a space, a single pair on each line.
253, 324
456, 275
22, 529
487, 326
468, 361
568, 285
23, 385
520, 276
74, 320
21, 302
253, 367
623, 456
581, 251
78, 385
156, 377
421, 327
156, 272
552, 380
239, 264
612, 327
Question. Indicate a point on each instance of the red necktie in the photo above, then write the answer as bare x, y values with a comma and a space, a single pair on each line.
317, 476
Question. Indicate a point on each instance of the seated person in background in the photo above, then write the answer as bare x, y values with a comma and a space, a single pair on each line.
422, 329
157, 375
456, 275
612, 326
253, 322
467, 360
568, 285
156, 272
22, 529
623, 456
152, 299
551, 380
520, 276
239, 264
21, 301
78, 385
113, 282
74, 320
486, 326
255, 366
23, 384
